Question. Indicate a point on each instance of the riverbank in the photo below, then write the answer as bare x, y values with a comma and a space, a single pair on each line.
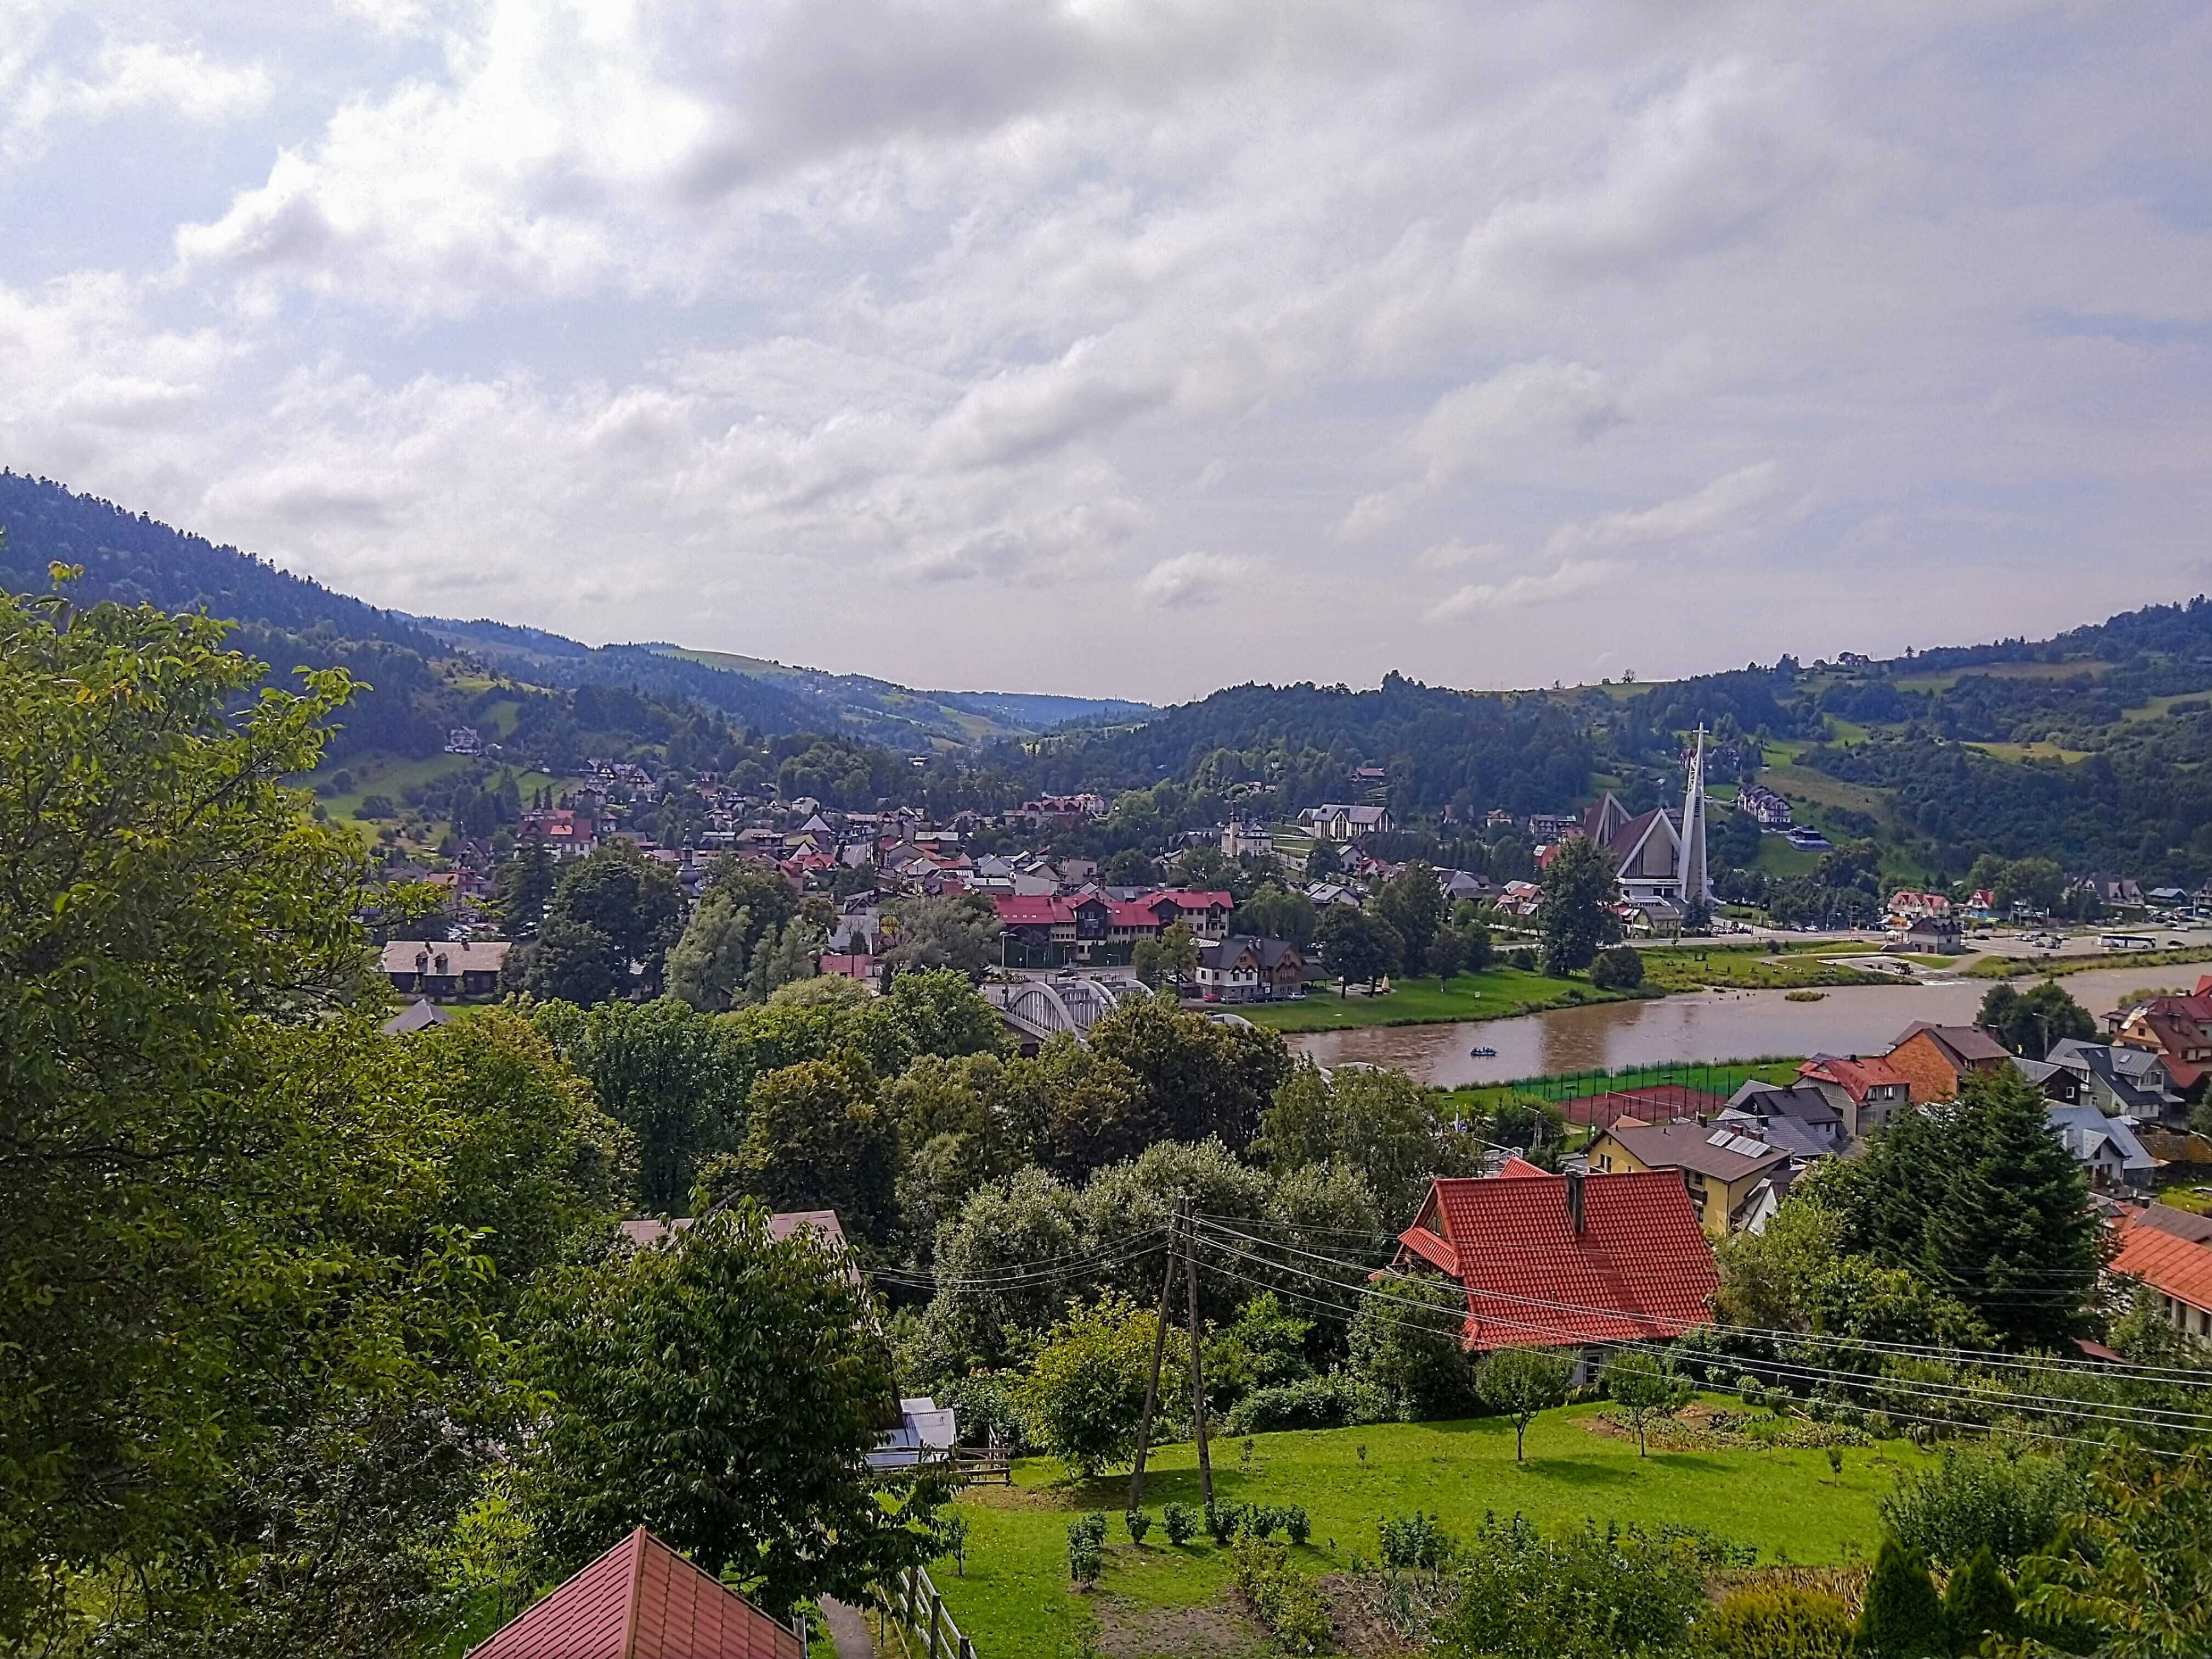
1493, 994
1695, 1027
2055, 967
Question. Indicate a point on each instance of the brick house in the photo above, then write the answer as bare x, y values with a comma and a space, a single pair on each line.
1936, 1060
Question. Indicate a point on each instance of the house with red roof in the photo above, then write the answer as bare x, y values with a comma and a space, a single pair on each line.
642, 1601
1566, 1260
1094, 926
2175, 1259
1864, 1090
2177, 1029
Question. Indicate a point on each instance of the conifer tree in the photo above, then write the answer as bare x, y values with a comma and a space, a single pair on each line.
1977, 1604
2015, 1238
1903, 1617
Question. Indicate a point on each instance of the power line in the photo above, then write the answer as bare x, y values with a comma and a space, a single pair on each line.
2179, 1376
2120, 1413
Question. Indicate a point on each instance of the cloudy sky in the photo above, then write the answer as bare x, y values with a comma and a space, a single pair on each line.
1137, 346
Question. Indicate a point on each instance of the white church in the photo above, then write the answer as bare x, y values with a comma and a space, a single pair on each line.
1660, 853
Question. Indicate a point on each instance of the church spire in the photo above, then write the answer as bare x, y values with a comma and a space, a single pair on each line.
1697, 878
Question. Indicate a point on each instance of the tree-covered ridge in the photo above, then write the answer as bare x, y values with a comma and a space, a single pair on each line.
1301, 744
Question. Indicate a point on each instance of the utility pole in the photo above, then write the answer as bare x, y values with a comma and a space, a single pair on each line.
1197, 1365
1159, 1344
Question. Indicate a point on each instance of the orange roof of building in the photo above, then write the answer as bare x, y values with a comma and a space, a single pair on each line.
2180, 1267
641, 1601
1854, 1074
1515, 1167
1639, 1268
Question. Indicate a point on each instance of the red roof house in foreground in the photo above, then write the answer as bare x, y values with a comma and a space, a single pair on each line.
1567, 1260
641, 1601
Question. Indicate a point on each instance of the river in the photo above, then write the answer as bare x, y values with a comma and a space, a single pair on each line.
1706, 1025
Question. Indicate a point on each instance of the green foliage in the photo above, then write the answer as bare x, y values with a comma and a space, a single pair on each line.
1585, 1594
2009, 1503
1337, 1401
1985, 1202
1411, 903
163, 899
1414, 1541
1085, 1391
1574, 917
1377, 1120
1902, 1617
1621, 968
1766, 1276
1277, 912
1139, 1523
2131, 1574
724, 1390
609, 910
1355, 946
1181, 1522
815, 1139
2029, 1022
1518, 1382
1199, 1079
1777, 1621
1282, 1598
1977, 1604
1404, 1340
960, 933
1640, 1390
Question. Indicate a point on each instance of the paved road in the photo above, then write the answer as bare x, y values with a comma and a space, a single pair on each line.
849, 1631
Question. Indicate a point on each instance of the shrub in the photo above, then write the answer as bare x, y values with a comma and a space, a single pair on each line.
1337, 1401
1296, 1523
1902, 1618
1414, 1541
1085, 1389
1282, 1598
1404, 1342
1750, 1390
1084, 1558
1093, 1527
1621, 968
1259, 1521
2011, 1504
1180, 1522
1523, 959
1221, 1521
1777, 1621
1139, 1524
1588, 1593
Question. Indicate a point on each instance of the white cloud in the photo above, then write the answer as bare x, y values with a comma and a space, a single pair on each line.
900, 336
1191, 579
1723, 504
1519, 592
122, 77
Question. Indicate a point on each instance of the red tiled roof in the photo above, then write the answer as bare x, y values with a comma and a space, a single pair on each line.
1517, 1167
1854, 1076
1639, 1269
2165, 1261
1031, 909
641, 1601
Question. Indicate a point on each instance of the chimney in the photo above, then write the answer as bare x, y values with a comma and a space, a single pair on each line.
1575, 1198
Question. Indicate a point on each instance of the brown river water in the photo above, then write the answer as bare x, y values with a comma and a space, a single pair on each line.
1708, 1025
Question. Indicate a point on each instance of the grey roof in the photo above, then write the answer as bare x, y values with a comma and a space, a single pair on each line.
2133, 1075
1788, 1134
2084, 1127
1808, 1102
1967, 1044
1719, 1151
1268, 952
2182, 1224
416, 1017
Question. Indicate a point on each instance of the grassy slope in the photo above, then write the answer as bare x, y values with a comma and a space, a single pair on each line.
1721, 1078
1495, 993
1014, 1599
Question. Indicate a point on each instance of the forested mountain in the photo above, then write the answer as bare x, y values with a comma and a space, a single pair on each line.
2089, 748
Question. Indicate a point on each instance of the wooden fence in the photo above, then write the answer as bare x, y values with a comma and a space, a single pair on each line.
912, 1601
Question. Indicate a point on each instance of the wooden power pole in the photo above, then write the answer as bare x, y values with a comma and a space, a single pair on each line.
1197, 1366
1159, 1345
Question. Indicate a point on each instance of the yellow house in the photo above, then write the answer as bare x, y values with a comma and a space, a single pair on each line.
1720, 1167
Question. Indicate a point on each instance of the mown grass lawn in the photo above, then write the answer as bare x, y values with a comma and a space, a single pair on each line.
1015, 1600
1750, 967
1494, 993
1721, 1077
